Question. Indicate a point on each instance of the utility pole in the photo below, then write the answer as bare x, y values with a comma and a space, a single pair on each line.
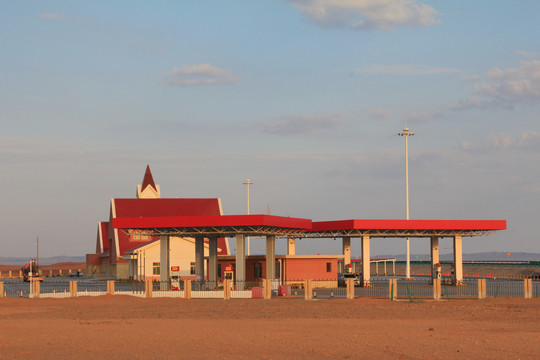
37, 252
248, 182
407, 132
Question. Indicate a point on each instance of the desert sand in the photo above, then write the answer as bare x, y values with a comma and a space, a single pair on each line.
124, 327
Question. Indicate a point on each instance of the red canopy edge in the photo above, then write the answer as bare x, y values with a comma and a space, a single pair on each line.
211, 221
409, 225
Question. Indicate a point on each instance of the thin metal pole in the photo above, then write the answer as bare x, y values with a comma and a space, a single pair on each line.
37, 252
406, 132
248, 182
408, 267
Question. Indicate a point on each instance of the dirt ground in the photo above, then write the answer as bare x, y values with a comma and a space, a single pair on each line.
127, 327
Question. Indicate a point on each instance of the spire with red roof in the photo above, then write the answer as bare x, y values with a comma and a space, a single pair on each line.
148, 189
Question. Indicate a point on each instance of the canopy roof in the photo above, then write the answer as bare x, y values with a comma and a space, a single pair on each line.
405, 228
230, 225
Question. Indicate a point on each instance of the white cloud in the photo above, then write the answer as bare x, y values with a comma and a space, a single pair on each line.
471, 78
302, 125
526, 140
411, 69
367, 14
424, 116
509, 87
50, 16
200, 74
528, 54
380, 112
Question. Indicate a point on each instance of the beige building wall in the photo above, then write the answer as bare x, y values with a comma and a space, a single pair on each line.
182, 254
122, 271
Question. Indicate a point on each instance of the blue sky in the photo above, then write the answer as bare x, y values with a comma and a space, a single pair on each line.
304, 97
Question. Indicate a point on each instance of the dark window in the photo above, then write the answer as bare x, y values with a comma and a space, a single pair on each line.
156, 268
328, 267
257, 270
219, 270
192, 268
278, 271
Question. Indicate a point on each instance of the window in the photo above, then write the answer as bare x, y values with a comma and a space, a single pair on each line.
156, 268
219, 270
139, 236
257, 270
328, 267
192, 268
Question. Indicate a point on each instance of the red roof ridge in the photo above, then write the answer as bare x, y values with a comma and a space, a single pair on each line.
148, 179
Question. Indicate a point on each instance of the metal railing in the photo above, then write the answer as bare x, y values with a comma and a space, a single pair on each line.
173, 288
414, 290
505, 288
54, 289
376, 288
131, 288
16, 288
206, 290
320, 289
468, 289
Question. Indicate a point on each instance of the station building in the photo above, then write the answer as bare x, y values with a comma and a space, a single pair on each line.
135, 255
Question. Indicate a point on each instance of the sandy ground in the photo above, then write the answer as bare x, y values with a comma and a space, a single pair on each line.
127, 327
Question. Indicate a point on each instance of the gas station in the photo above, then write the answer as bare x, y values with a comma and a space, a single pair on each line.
277, 227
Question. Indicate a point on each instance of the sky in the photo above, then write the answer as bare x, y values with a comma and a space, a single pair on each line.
304, 97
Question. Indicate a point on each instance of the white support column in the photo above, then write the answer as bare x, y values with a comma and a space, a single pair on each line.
270, 256
291, 246
434, 255
346, 253
212, 259
199, 258
164, 274
366, 259
240, 269
458, 260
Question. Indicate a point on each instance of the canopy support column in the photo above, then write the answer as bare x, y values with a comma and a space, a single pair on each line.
366, 261
434, 256
240, 261
199, 258
212, 259
270, 256
291, 246
164, 245
346, 253
458, 260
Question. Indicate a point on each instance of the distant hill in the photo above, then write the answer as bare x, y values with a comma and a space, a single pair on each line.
484, 256
43, 261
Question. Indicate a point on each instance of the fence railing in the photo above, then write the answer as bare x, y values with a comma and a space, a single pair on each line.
271, 288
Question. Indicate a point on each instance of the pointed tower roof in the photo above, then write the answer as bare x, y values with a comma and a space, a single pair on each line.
148, 189
148, 179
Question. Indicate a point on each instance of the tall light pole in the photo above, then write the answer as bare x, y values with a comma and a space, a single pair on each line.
407, 132
248, 182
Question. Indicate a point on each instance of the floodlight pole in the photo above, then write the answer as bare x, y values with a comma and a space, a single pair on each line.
247, 182
407, 132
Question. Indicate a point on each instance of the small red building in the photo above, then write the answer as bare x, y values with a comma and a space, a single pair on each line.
290, 269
